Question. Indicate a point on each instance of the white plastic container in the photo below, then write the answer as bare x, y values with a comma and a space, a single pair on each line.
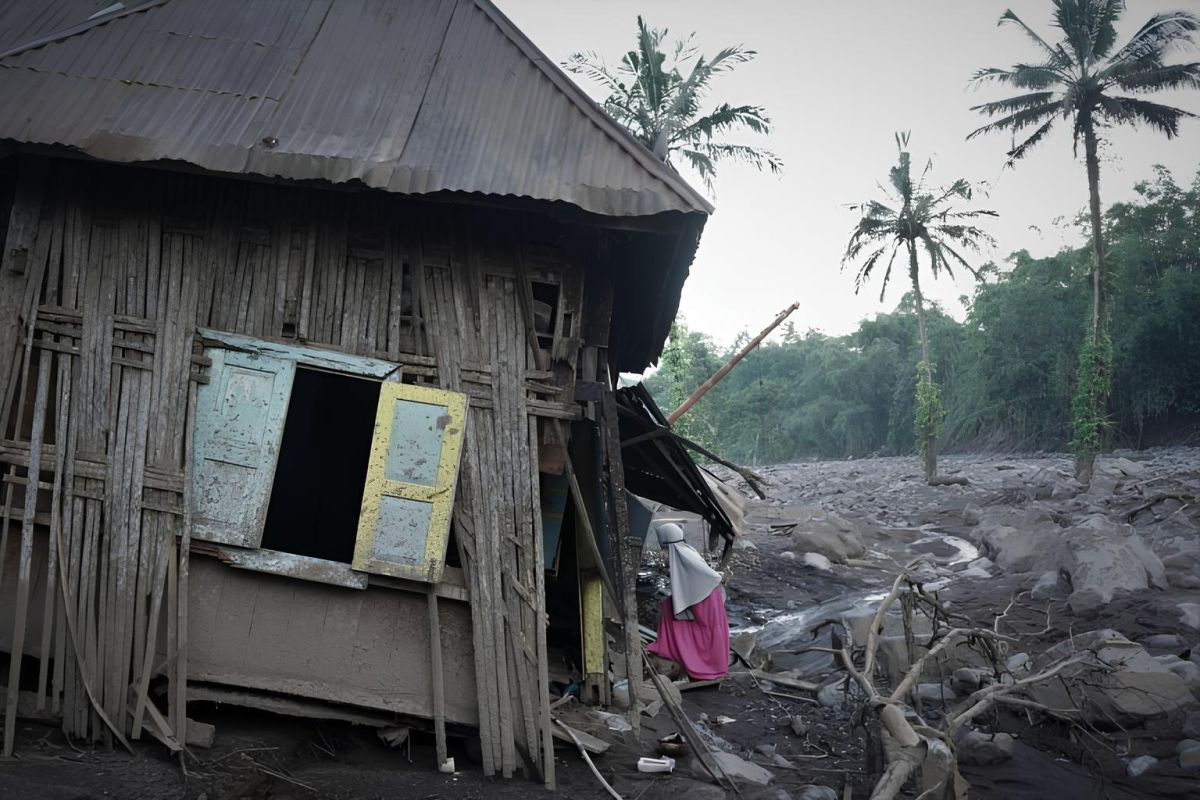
663, 764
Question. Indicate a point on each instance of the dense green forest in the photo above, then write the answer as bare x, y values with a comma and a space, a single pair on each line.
1007, 372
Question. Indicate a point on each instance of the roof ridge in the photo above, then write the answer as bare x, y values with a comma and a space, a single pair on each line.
83, 27
615, 131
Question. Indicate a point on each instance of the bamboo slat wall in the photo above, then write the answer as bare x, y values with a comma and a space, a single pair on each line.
106, 274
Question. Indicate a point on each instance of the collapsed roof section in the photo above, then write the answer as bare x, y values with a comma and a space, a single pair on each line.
659, 467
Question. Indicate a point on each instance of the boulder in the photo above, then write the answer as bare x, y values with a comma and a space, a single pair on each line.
1115, 681
966, 680
1188, 671
1141, 765
1102, 556
984, 749
1187, 745
940, 693
834, 537
1190, 760
1021, 541
1191, 725
1164, 643
1189, 615
1050, 585
831, 695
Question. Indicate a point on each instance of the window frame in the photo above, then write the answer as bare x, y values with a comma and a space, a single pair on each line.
357, 574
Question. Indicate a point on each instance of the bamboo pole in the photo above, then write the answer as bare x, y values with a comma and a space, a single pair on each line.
723, 371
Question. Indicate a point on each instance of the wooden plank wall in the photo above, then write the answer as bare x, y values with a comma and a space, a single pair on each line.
108, 270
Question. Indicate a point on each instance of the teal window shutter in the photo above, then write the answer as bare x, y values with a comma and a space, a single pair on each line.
240, 414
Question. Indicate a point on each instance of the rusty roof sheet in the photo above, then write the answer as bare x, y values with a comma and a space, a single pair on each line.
411, 96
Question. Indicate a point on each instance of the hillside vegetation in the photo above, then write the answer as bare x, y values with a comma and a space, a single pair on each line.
1007, 372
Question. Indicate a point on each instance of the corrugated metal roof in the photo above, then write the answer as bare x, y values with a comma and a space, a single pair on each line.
411, 96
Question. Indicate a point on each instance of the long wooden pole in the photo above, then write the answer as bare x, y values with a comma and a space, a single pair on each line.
723, 371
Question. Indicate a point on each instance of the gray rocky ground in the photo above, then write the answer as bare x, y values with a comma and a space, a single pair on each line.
1107, 578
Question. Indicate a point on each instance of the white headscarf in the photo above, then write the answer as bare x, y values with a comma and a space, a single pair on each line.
692, 579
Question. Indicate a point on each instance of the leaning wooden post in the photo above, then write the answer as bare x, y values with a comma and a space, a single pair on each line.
723, 371
435, 662
626, 561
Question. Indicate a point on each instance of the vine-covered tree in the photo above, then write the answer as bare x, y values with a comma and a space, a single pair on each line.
916, 217
1086, 79
660, 102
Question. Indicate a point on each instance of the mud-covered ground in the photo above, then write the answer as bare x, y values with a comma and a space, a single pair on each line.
780, 596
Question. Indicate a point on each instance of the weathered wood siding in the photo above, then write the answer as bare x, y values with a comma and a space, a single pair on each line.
106, 273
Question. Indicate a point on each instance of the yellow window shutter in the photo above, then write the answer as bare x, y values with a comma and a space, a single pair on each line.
411, 476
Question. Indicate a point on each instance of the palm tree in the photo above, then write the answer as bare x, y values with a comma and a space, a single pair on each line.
1079, 79
661, 106
915, 217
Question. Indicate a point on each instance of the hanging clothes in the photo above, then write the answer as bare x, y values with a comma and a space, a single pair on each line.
692, 627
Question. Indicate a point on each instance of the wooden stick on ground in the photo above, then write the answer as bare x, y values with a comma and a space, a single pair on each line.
583, 752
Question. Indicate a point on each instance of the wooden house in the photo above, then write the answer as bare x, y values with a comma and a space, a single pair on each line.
303, 306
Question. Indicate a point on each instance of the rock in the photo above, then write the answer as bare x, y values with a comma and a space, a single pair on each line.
1020, 541
1191, 725
816, 561
936, 692
1164, 642
1017, 662
798, 726
1141, 765
966, 680
831, 695
1189, 672
742, 770
742, 543
1050, 585
814, 792
745, 644
1103, 556
1187, 744
1119, 681
983, 749
1190, 759
1086, 603
767, 750
1189, 614
837, 539
979, 568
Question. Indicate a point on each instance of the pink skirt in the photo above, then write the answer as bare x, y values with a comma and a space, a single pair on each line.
701, 645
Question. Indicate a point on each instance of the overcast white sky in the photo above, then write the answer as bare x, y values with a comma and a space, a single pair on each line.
838, 78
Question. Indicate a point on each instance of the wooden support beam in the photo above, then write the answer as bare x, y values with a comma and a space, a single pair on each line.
438, 682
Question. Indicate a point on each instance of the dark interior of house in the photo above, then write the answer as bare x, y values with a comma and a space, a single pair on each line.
322, 466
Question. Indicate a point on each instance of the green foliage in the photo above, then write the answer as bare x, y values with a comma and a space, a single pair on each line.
928, 415
1089, 408
914, 216
1008, 373
660, 101
1081, 77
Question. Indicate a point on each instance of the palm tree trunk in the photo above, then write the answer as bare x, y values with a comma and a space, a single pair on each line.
1093, 174
928, 434
1086, 456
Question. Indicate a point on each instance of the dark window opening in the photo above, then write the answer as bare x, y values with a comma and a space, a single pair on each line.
452, 559
545, 312
322, 467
